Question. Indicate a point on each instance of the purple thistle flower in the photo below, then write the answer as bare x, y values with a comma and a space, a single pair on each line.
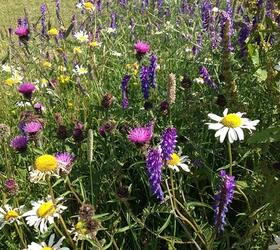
152, 70
144, 78
43, 19
11, 187
32, 128
26, 89
207, 78
124, 89
22, 31
141, 135
154, 165
223, 199
65, 161
19, 143
142, 48
39, 107
168, 142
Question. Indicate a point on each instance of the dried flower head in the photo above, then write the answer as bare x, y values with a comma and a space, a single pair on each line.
4, 131
86, 211
171, 89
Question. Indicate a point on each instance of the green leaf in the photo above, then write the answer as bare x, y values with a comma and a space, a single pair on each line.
198, 204
268, 135
242, 184
164, 225
254, 54
261, 74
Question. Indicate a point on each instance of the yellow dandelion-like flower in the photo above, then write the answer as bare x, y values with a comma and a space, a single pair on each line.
89, 6
46, 64
46, 163
94, 44
63, 79
77, 50
53, 32
10, 81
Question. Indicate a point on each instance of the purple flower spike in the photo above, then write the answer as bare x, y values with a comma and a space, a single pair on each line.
206, 77
144, 77
168, 142
32, 128
124, 88
26, 89
223, 199
152, 70
142, 48
141, 135
154, 164
19, 143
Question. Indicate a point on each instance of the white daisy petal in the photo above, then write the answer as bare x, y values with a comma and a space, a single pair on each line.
215, 126
225, 112
233, 134
185, 167
240, 133
215, 117
223, 133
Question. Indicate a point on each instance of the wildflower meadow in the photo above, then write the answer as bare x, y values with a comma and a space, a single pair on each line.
140, 124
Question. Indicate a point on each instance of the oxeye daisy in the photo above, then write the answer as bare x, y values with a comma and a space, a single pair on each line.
43, 213
80, 70
177, 161
81, 36
9, 215
44, 165
232, 125
51, 245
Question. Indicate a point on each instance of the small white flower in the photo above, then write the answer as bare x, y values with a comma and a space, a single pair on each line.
81, 36
231, 125
50, 246
9, 215
7, 68
277, 246
110, 30
215, 10
277, 67
199, 80
23, 104
43, 213
115, 53
177, 161
80, 70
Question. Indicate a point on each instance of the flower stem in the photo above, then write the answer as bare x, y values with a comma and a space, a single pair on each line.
230, 158
20, 235
173, 189
67, 233
72, 190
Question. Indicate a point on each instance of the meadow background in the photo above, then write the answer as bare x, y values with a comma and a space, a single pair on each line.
94, 89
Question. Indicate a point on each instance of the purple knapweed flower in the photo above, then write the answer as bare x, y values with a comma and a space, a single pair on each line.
39, 107
19, 143
22, 31
124, 89
168, 142
223, 199
206, 77
144, 78
154, 165
32, 128
142, 48
26, 89
140, 135
152, 70
65, 161
11, 187
78, 132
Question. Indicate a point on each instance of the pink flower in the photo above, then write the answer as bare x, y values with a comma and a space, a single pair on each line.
142, 48
32, 128
140, 135
22, 31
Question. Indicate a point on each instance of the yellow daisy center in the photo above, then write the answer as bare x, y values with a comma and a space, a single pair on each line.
47, 248
46, 209
46, 163
231, 121
80, 228
12, 214
175, 160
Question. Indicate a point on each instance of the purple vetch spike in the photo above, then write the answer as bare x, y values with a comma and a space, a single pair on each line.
244, 33
168, 142
230, 13
226, 30
206, 13
57, 11
154, 165
207, 78
144, 78
223, 199
270, 9
74, 22
99, 5
159, 4
124, 90
108, 4
43, 19
113, 21
152, 70
197, 48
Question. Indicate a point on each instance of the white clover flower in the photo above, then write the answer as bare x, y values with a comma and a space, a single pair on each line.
115, 53
110, 30
198, 80
81, 36
43, 213
80, 70
9, 215
231, 125
51, 245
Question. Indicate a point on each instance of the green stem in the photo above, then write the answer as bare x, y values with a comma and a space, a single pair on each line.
173, 189
91, 182
72, 190
230, 158
20, 235
67, 233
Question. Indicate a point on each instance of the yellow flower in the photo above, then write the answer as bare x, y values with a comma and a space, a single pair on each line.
61, 68
70, 104
94, 44
46, 163
46, 209
46, 64
231, 120
77, 50
81, 228
89, 6
12, 214
53, 32
10, 81
63, 79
